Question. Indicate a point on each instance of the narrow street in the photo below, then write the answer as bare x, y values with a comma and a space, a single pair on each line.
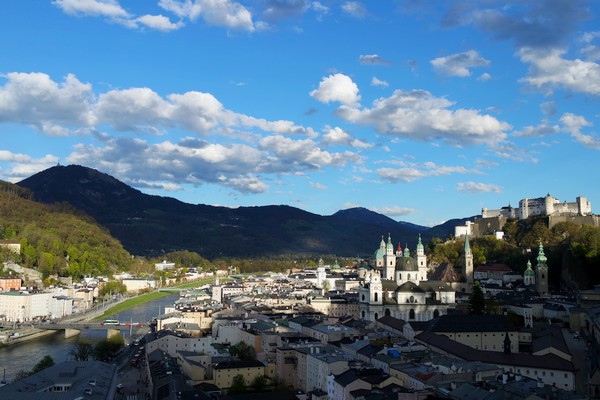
579, 358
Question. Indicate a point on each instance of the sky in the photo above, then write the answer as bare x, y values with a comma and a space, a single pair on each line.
421, 110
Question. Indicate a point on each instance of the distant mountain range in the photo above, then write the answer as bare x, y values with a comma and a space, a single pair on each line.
150, 225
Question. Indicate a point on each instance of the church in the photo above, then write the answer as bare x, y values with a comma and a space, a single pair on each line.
397, 286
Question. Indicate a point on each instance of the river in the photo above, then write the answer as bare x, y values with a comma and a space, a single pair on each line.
24, 356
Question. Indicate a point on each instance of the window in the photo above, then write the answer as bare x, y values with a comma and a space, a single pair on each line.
411, 314
376, 296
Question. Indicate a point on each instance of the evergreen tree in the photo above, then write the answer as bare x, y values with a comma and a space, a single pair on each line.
476, 300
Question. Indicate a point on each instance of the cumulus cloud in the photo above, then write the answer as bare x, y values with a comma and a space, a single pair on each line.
303, 154
459, 64
355, 9
338, 136
411, 172
53, 108
549, 70
372, 59
378, 82
70, 107
573, 124
418, 115
477, 187
393, 211
337, 88
484, 77
225, 13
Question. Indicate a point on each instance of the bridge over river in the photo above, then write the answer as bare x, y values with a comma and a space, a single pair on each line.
75, 328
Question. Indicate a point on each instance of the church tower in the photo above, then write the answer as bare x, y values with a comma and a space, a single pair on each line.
389, 260
467, 261
541, 272
375, 289
421, 260
529, 275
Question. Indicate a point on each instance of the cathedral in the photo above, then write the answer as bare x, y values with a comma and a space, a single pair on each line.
397, 286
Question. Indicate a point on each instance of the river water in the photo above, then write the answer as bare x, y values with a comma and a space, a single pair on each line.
24, 356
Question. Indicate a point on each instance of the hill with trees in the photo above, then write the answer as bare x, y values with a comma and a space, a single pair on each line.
56, 239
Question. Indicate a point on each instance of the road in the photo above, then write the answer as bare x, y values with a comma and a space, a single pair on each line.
579, 359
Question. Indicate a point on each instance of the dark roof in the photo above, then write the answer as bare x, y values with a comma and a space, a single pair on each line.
472, 323
464, 352
370, 375
392, 322
239, 364
370, 350
409, 287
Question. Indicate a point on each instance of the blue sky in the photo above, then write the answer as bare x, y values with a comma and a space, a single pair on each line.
420, 110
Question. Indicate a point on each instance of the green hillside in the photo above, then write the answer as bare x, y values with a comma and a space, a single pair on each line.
56, 239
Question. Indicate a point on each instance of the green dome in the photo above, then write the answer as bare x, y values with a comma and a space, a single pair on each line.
379, 253
529, 271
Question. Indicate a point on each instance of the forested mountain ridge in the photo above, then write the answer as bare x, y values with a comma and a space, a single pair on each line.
151, 225
56, 239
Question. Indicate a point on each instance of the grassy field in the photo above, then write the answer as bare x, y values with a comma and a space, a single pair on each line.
144, 298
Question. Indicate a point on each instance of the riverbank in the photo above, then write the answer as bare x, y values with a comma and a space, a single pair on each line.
144, 298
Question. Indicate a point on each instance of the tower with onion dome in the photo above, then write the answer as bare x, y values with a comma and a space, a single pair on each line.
541, 272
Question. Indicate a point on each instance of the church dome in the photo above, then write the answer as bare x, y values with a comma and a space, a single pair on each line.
379, 253
405, 263
529, 271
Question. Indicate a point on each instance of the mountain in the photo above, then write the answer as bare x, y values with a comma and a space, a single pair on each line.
150, 225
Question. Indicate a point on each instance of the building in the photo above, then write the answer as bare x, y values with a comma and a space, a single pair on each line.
164, 265
405, 291
541, 206
224, 372
66, 380
23, 306
8, 284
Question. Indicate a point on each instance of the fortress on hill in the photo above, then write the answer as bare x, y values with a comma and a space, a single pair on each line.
492, 221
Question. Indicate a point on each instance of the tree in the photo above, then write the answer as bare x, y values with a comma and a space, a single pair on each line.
238, 385
82, 352
259, 383
44, 363
106, 349
476, 300
243, 351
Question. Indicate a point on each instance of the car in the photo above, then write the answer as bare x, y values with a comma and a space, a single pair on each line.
120, 386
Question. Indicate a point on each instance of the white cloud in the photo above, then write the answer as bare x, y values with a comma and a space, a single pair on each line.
394, 211
225, 13
548, 70
305, 154
411, 172
23, 165
53, 108
354, 8
159, 22
484, 77
337, 87
459, 64
573, 124
70, 107
378, 82
94, 8
338, 136
418, 115
537, 131
477, 187
372, 59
